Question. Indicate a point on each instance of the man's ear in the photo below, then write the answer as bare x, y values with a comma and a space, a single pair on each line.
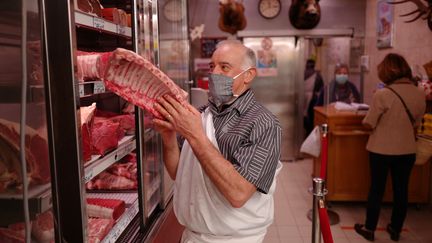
250, 75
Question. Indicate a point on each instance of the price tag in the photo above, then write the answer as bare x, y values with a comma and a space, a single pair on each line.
98, 23
98, 88
121, 30
81, 90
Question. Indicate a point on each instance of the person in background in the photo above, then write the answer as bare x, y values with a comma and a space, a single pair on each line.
340, 89
225, 171
392, 145
313, 83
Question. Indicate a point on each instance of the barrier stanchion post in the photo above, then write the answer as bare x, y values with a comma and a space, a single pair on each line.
333, 216
318, 191
324, 222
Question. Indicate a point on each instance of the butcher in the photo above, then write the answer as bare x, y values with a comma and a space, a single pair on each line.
225, 169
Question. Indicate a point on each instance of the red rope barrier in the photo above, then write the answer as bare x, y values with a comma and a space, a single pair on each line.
324, 223
324, 157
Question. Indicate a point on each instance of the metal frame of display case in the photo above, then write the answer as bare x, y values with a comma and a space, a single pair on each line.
62, 110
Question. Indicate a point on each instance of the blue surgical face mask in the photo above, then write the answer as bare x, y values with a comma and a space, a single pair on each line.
341, 78
220, 88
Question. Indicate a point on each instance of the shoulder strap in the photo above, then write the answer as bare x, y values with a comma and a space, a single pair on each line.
403, 102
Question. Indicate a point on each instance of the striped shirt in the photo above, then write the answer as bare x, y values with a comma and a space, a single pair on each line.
249, 136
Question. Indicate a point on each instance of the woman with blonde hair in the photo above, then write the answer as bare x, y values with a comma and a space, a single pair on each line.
393, 115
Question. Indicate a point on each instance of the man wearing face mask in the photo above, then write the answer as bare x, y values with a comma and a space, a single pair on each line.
225, 171
340, 89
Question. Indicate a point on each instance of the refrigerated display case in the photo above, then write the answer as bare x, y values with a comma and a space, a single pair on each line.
81, 151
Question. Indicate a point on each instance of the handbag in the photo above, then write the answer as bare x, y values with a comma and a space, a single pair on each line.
424, 151
312, 144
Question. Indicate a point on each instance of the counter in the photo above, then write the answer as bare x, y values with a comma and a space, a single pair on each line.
348, 176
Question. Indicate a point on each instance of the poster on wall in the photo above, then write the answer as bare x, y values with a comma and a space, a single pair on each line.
266, 59
384, 25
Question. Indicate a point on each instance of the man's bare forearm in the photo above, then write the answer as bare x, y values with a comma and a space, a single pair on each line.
235, 188
171, 155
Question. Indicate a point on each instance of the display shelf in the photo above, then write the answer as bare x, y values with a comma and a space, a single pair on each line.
93, 159
40, 200
93, 22
12, 93
90, 88
126, 145
122, 223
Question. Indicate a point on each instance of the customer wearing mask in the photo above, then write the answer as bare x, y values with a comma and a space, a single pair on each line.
225, 171
394, 111
340, 89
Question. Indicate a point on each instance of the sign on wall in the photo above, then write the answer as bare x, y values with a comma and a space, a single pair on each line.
384, 25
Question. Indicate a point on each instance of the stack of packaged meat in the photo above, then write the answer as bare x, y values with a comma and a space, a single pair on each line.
120, 176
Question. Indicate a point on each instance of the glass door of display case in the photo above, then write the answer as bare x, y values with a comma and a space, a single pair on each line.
174, 57
25, 169
152, 165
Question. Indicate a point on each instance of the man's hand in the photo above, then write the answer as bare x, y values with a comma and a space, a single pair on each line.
184, 120
165, 129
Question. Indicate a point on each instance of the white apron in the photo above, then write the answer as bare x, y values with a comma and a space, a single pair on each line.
207, 216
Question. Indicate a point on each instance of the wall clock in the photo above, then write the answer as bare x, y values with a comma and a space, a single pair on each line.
269, 9
172, 10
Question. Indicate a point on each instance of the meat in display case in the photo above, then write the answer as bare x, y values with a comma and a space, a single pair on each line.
78, 163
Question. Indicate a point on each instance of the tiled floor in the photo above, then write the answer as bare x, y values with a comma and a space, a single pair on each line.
293, 201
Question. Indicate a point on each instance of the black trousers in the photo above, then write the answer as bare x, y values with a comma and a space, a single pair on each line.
400, 167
